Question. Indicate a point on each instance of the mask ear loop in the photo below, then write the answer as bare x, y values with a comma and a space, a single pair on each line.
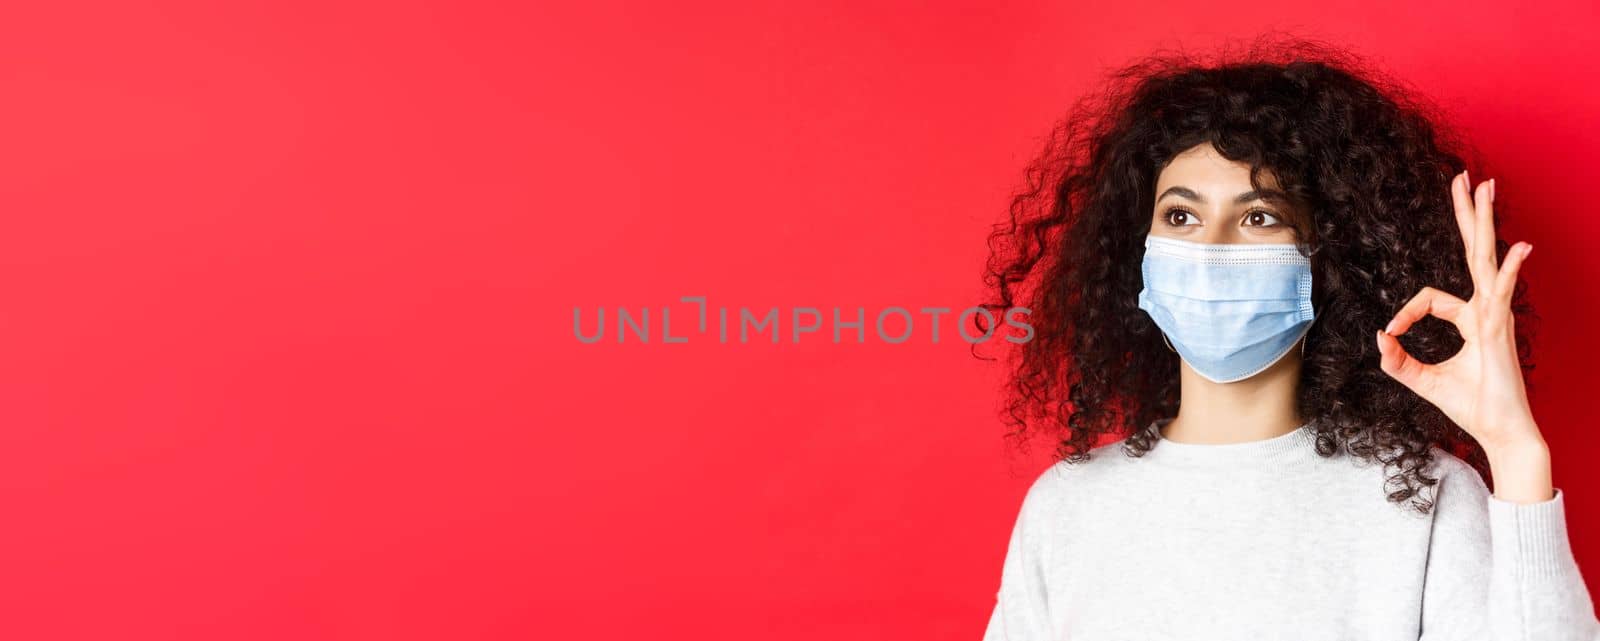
1307, 338
1169, 343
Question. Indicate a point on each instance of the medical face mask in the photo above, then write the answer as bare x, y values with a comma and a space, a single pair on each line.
1229, 310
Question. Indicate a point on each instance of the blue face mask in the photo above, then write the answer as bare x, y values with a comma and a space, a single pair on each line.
1230, 310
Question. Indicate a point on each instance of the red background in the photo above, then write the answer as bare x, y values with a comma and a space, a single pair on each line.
288, 294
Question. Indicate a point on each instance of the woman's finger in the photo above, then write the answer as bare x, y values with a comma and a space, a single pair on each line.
1483, 240
1395, 362
1429, 300
1460, 194
1506, 280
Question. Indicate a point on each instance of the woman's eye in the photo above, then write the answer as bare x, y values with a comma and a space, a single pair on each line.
1180, 217
1261, 218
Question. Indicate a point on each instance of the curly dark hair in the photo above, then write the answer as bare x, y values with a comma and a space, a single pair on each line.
1365, 157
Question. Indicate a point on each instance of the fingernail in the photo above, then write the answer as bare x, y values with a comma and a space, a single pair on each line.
1389, 329
1491, 190
1527, 249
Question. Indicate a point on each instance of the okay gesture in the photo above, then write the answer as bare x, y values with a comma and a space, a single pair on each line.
1481, 387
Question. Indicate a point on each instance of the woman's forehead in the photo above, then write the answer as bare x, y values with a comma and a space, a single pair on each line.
1203, 169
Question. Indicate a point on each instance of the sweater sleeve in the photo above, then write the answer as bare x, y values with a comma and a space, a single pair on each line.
1501, 571
1021, 610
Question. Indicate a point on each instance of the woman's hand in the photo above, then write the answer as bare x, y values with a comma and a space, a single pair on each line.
1480, 388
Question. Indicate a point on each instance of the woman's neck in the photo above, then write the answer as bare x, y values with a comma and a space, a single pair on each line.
1259, 407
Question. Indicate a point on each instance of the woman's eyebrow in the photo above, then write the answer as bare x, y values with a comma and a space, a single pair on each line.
1252, 195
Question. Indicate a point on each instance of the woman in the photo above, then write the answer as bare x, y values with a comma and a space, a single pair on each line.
1231, 271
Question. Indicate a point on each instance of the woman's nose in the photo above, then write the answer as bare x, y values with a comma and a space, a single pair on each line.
1220, 234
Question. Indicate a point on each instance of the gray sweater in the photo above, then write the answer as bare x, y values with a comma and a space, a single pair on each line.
1266, 540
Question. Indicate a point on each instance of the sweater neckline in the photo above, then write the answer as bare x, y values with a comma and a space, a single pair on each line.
1263, 451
